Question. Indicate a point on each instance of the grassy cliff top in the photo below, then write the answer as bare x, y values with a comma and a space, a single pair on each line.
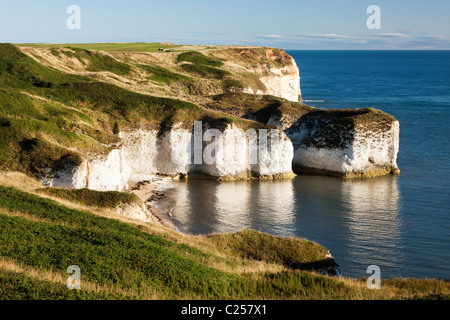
189, 72
262, 108
259, 107
109, 47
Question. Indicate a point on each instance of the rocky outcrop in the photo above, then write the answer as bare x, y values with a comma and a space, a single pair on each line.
224, 155
134, 211
346, 143
280, 81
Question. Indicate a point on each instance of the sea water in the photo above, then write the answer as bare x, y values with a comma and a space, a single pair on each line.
399, 223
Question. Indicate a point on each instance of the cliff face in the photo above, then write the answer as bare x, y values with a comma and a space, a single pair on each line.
144, 153
343, 143
346, 143
281, 81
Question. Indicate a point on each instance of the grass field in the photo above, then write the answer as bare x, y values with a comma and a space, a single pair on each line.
119, 259
205, 71
108, 47
107, 199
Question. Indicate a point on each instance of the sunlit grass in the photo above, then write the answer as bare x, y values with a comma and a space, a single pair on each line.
41, 238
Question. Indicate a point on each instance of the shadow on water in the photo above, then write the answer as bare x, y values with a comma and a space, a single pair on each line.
357, 220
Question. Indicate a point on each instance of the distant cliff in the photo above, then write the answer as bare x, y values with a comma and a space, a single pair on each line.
195, 73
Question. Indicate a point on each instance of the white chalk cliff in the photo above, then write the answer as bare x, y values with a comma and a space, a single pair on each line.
145, 153
327, 145
283, 82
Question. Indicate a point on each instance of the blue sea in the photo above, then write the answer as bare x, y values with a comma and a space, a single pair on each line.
399, 223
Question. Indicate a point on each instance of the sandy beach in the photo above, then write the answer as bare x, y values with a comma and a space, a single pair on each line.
151, 192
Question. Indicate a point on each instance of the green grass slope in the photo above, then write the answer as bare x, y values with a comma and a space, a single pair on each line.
106, 199
163, 75
95, 61
40, 238
292, 253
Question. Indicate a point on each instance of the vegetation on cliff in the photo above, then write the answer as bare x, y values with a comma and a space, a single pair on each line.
122, 259
106, 199
163, 75
207, 68
258, 107
198, 58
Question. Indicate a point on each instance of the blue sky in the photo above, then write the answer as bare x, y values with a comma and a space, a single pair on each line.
288, 24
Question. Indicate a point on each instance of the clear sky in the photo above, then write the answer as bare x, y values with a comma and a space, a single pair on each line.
288, 24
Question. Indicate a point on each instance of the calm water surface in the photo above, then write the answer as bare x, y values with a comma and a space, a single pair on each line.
399, 223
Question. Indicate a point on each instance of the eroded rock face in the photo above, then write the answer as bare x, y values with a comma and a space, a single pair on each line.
144, 153
283, 82
102, 173
242, 154
134, 211
276, 70
346, 143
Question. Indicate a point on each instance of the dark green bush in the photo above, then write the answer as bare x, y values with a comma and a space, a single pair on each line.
163, 75
205, 71
198, 58
232, 85
104, 199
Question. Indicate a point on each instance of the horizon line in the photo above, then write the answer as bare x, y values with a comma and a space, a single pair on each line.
234, 45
